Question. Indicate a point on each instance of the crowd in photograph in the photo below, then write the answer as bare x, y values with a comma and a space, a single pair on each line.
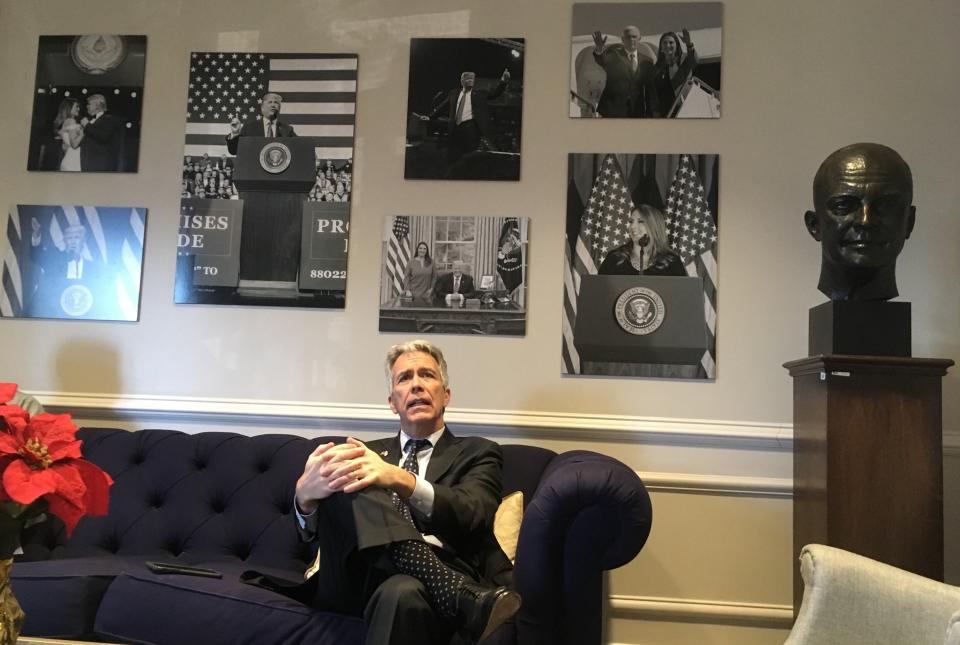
206, 177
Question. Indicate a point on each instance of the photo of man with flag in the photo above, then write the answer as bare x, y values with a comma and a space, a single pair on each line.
72, 262
297, 114
618, 205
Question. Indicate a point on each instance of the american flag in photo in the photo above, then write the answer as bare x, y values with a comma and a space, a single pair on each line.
693, 233
398, 251
114, 238
319, 98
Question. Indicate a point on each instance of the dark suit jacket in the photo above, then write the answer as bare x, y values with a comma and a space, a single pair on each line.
626, 93
254, 128
466, 476
102, 144
478, 104
50, 280
444, 285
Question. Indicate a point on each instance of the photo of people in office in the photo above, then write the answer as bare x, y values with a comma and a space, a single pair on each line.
72, 262
656, 60
640, 265
451, 274
87, 103
266, 181
464, 108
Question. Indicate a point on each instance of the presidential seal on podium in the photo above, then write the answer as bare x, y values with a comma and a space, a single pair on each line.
76, 300
275, 157
640, 311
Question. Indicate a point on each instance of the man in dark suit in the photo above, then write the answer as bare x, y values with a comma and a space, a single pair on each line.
268, 124
469, 113
270, 235
410, 546
65, 283
103, 136
455, 283
629, 89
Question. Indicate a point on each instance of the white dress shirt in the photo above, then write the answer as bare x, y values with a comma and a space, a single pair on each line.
467, 106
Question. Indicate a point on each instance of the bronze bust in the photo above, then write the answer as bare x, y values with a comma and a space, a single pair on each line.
863, 196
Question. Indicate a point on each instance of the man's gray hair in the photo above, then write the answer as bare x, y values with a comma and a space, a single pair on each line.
424, 346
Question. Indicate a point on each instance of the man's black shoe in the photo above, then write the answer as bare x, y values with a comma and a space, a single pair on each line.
480, 610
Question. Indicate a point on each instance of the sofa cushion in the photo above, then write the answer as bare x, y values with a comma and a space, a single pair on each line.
77, 584
143, 607
506, 523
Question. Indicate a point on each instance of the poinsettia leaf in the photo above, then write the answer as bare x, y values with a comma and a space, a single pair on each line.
50, 428
96, 499
10, 412
7, 390
24, 484
69, 512
15, 425
60, 450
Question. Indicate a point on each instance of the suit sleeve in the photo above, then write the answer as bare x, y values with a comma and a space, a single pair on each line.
468, 506
102, 130
233, 142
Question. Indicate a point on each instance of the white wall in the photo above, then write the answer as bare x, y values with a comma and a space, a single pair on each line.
800, 79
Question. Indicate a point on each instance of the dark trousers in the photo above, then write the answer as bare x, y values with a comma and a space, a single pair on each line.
357, 577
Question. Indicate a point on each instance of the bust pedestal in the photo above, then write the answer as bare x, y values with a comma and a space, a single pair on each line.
868, 459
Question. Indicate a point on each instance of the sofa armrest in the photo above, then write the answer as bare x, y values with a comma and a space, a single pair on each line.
590, 513
953, 630
850, 599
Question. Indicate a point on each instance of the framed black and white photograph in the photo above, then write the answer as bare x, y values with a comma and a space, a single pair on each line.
72, 262
267, 175
464, 108
87, 103
646, 60
454, 274
640, 265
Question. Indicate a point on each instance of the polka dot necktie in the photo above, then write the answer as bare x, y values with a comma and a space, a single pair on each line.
410, 465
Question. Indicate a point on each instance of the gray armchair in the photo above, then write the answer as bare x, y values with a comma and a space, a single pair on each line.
851, 600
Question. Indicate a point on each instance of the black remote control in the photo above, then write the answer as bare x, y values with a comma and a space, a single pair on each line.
182, 569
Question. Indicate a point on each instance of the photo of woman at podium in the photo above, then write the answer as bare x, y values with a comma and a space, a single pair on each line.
640, 283
648, 252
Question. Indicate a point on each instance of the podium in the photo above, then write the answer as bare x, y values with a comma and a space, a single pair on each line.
868, 459
298, 176
681, 338
274, 177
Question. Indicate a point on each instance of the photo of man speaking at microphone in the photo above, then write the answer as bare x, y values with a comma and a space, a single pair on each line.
453, 274
640, 265
267, 178
464, 106
72, 262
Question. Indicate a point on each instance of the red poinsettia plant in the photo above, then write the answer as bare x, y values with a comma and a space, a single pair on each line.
42, 470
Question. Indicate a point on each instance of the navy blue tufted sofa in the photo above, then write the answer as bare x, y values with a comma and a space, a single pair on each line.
223, 501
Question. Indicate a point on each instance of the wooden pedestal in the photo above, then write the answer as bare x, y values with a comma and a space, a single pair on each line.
868, 459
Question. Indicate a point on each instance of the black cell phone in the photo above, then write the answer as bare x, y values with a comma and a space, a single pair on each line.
182, 569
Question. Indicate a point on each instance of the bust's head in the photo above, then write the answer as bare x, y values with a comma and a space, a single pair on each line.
863, 201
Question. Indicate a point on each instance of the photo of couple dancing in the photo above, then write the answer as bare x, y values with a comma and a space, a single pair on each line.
89, 143
87, 103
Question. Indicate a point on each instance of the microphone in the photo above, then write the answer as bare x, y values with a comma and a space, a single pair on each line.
642, 242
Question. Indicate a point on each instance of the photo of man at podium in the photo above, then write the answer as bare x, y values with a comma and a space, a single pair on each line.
270, 239
269, 137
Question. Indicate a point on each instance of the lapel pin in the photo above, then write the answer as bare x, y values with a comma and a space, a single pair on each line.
384, 453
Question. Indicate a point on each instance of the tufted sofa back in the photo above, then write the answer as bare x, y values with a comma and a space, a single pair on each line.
211, 496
